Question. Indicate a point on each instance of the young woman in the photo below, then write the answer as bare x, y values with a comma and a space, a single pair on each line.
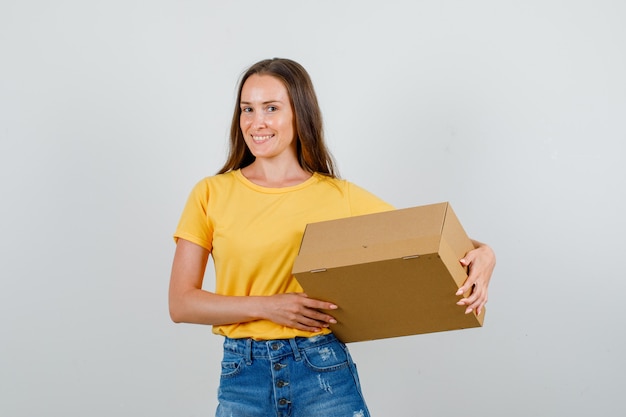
280, 358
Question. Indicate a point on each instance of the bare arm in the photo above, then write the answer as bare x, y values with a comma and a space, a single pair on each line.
189, 303
481, 262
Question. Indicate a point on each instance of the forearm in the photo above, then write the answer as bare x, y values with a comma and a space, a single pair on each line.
202, 307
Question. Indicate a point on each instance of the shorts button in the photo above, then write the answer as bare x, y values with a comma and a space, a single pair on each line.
275, 346
283, 401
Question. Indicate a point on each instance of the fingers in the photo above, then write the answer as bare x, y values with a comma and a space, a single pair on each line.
477, 297
480, 263
476, 300
303, 313
468, 284
312, 324
317, 304
311, 315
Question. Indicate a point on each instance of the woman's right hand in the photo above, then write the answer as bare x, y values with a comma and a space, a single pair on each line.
299, 311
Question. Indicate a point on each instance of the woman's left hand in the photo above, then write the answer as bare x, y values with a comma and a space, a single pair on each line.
481, 262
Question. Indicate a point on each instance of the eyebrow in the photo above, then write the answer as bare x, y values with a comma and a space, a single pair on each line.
265, 102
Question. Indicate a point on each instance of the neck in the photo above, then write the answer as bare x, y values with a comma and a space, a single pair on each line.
275, 176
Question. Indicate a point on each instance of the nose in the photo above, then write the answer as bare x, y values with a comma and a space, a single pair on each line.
258, 119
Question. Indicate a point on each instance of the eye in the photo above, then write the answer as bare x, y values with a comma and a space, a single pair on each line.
272, 109
246, 109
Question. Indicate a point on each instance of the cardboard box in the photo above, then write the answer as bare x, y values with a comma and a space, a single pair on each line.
391, 274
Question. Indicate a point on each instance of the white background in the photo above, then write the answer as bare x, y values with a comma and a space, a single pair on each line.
514, 111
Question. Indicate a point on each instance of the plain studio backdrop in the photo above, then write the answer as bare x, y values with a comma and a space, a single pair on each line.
514, 111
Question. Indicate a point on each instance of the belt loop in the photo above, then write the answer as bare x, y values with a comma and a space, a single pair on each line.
248, 351
294, 348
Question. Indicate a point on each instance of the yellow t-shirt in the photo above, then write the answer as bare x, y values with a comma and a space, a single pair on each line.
254, 234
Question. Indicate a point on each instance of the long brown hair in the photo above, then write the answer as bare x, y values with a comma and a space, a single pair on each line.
313, 154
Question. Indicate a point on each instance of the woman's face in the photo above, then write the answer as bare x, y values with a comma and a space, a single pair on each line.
267, 120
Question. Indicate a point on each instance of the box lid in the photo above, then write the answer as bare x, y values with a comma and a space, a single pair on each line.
373, 237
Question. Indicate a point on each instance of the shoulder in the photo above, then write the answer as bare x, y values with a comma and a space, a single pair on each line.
359, 199
218, 180
328, 180
364, 201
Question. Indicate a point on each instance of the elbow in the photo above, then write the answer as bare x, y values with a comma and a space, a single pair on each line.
176, 312
175, 318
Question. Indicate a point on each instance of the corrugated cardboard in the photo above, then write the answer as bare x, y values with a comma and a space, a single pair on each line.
391, 274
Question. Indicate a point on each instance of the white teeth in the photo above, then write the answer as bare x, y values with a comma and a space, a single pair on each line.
261, 138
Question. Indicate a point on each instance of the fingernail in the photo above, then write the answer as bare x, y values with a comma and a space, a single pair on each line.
333, 307
459, 292
469, 310
333, 321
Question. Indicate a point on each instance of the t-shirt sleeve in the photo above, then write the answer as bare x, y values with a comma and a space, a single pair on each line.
194, 224
364, 202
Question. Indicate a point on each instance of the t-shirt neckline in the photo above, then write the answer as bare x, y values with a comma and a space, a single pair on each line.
272, 190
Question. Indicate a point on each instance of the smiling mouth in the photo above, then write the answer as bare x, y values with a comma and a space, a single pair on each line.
259, 139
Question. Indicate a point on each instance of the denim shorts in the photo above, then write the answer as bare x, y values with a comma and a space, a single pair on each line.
300, 377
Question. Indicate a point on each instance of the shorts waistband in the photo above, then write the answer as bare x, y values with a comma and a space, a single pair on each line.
273, 349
